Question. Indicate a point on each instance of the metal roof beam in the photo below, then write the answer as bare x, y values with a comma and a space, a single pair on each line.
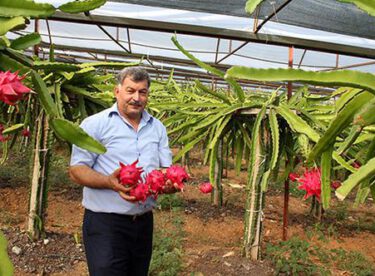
268, 18
176, 61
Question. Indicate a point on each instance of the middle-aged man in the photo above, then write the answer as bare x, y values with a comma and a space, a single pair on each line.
117, 231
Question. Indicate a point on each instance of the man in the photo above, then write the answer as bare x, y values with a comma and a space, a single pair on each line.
117, 231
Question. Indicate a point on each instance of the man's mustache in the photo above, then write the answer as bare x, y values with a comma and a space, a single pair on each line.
135, 103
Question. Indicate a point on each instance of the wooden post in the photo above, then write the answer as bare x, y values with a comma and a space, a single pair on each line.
286, 184
38, 194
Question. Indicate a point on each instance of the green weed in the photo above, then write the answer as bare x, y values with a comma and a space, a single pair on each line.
58, 172
298, 257
167, 247
169, 202
15, 171
294, 257
352, 261
339, 212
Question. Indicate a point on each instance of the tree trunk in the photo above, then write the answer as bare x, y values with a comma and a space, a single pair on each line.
38, 195
254, 203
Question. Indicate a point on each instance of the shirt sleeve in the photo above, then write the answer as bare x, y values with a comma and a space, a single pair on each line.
165, 154
81, 156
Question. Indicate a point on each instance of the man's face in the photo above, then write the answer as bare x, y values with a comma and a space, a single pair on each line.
132, 97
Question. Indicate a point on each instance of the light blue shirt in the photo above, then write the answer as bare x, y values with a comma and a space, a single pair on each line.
124, 144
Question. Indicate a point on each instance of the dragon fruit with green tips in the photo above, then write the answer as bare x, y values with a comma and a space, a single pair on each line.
178, 175
140, 192
156, 182
130, 175
11, 87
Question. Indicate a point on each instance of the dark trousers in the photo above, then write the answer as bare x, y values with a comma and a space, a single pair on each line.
117, 244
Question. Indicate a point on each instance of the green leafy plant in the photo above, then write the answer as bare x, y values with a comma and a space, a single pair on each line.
6, 267
293, 257
167, 248
298, 257
170, 202
352, 261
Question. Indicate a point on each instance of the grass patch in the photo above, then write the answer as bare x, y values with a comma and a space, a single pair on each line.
352, 261
298, 257
294, 257
170, 202
58, 176
15, 171
167, 245
9, 219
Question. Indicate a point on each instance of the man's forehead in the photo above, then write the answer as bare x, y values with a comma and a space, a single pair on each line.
129, 82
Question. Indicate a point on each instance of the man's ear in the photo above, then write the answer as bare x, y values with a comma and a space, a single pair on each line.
116, 90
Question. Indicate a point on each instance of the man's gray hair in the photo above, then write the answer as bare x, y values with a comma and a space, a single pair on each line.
135, 73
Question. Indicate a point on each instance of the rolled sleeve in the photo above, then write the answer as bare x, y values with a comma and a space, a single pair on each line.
165, 154
81, 156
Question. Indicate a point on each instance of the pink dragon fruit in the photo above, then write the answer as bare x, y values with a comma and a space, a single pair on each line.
140, 192
205, 187
356, 164
155, 181
293, 177
311, 183
177, 174
25, 132
2, 137
335, 184
11, 88
130, 175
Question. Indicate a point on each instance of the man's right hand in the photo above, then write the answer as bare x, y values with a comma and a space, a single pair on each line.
114, 184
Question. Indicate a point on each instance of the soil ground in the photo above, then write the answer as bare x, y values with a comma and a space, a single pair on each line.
212, 236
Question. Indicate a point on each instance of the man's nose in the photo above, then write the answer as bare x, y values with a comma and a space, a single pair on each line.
136, 96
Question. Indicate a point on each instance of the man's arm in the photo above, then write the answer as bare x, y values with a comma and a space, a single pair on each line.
88, 177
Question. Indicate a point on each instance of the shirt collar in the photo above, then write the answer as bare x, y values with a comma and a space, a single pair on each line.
145, 115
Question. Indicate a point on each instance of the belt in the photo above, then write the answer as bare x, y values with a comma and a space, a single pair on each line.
138, 216
134, 217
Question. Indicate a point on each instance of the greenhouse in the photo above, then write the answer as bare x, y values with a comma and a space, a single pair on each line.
268, 107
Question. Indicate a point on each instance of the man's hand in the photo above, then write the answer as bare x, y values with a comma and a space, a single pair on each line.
114, 184
170, 187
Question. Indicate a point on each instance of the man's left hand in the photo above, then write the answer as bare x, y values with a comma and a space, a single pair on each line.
170, 188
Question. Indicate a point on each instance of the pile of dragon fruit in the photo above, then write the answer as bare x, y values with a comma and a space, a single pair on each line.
130, 176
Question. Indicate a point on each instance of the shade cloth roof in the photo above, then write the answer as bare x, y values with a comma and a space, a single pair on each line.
324, 15
221, 40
